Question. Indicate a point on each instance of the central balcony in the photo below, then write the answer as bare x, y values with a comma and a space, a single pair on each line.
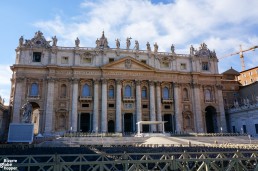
85, 98
167, 100
128, 99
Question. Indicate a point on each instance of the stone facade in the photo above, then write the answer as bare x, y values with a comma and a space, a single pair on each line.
4, 120
103, 89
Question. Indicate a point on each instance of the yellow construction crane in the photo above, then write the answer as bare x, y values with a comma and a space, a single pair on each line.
241, 55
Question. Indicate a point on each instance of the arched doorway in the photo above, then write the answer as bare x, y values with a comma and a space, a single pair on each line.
211, 119
35, 117
128, 122
85, 122
168, 125
111, 126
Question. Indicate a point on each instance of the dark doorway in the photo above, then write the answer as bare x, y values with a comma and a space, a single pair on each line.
211, 119
111, 126
168, 124
85, 122
145, 128
128, 122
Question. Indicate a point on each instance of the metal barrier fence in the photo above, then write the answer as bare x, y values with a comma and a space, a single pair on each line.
186, 161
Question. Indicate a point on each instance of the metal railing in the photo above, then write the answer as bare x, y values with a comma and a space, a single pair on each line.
185, 161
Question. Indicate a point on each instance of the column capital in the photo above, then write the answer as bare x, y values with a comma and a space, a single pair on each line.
74, 80
158, 83
103, 80
51, 79
138, 82
177, 85
118, 81
195, 85
151, 83
219, 86
96, 81
19, 79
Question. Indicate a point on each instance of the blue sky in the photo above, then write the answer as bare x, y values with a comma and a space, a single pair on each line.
222, 25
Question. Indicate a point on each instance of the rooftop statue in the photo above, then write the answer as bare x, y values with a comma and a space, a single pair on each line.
172, 48
148, 46
136, 46
128, 42
117, 43
156, 47
21, 41
77, 42
54, 41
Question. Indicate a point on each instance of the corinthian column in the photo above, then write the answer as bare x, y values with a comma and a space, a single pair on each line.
118, 106
49, 106
158, 101
221, 108
96, 107
17, 100
152, 106
197, 108
138, 102
178, 110
104, 106
74, 104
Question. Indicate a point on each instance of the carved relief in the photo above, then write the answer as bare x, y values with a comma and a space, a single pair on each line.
128, 63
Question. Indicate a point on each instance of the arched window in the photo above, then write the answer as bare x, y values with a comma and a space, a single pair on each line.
144, 92
34, 89
86, 90
63, 90
207, 95
185, 94
165, 93
128, 92
111, 92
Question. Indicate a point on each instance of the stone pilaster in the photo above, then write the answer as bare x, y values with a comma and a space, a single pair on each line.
223, 123
104, 106
152, 106
199, 127
118, 107
74, 118
138, 102
50, 105
17, 100
178, 109
158, 102
96, 107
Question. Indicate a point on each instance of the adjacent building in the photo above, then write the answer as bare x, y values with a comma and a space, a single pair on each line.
4, 120
105, 89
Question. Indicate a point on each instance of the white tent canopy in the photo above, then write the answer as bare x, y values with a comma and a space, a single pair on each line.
140, 123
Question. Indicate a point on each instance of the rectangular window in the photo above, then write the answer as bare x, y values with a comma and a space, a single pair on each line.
244, 129
111, 59
143, 61
183, 66
145, 106
256, 128
111, 105
85, 105
85, 60
251, 73
167, 107
234, 129
205, 66
36, 57
64, 60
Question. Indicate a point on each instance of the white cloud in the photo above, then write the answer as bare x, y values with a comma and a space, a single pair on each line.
5, 75
223, 25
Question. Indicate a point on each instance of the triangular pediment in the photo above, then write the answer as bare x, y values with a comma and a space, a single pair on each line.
128, 63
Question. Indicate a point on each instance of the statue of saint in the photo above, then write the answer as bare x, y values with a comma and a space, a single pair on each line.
172, 48
54, 39
77, 42
128, 43
97, 43
136, 46
191, 50
21, 41
156, 47
148, 46
27, 109
117, 44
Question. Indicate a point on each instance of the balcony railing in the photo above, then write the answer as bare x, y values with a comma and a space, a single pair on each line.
128, 99
85, 98
167, 100
29, 97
